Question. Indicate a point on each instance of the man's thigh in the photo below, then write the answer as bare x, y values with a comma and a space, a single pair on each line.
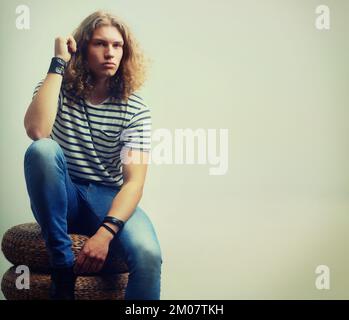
94, 204
137, 236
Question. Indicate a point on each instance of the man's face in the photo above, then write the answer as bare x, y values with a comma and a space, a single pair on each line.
105, 46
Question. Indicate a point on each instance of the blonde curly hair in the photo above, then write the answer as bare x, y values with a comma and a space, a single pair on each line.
131, 73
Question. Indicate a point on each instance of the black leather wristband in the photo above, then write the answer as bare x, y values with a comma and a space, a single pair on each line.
57, 65
109, 229
115, 221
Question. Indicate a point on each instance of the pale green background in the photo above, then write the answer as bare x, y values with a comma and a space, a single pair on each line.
259, 68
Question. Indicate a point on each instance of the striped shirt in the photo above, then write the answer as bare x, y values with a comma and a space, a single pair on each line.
92, 136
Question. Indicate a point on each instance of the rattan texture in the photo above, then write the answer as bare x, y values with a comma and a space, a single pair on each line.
106, 287
24, 245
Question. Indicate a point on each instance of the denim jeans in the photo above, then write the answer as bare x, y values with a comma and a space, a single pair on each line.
61, 206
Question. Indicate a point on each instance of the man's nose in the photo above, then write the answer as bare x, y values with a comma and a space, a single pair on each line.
109, 52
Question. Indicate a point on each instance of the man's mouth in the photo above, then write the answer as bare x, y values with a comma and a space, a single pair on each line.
109, 65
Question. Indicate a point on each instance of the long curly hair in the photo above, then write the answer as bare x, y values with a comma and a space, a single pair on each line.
131, 73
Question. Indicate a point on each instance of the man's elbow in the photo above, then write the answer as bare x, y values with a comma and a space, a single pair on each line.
35, 134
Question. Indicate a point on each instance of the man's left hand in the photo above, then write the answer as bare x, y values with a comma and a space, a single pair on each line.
93, 254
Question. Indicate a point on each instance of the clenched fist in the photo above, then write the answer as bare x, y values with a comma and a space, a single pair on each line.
92, 256
64, 47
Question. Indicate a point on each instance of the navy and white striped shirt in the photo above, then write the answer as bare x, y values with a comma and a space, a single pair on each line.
92, 136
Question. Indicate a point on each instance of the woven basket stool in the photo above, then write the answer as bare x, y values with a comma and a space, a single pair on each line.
24, 245
106, 287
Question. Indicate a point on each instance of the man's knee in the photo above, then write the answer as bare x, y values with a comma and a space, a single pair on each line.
42, 149
148, 257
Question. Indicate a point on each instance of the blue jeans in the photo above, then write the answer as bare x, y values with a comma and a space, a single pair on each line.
62, 206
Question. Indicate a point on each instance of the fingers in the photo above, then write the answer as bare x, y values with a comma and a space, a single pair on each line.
83, 264
71, 43
87, 264
86, 268
92, 256
80, 261
96, 265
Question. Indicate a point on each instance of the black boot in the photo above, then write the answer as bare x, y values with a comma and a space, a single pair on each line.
62, 284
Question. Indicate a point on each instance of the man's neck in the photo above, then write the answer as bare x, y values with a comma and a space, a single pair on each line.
101, 88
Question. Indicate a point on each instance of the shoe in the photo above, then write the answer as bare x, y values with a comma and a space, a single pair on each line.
62, 284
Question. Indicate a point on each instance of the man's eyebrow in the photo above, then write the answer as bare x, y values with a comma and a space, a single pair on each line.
103, 40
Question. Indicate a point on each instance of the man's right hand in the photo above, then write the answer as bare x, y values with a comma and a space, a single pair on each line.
64, 47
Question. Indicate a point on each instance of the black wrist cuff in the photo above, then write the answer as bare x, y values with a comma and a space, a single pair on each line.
114, 221
109, 229
57, 65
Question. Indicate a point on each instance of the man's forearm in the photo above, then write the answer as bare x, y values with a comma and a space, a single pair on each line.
41, 113
122, 208
124, 203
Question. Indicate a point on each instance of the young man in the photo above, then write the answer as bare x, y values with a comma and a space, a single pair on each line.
85, 119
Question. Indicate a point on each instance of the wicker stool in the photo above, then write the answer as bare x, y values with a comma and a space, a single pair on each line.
24, 245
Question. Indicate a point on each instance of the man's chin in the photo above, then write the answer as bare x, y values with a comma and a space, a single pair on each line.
109, 73
106, 75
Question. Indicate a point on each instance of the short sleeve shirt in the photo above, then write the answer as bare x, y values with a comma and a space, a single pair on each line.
92, 136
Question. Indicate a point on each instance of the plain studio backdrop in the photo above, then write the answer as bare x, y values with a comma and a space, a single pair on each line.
260, 69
